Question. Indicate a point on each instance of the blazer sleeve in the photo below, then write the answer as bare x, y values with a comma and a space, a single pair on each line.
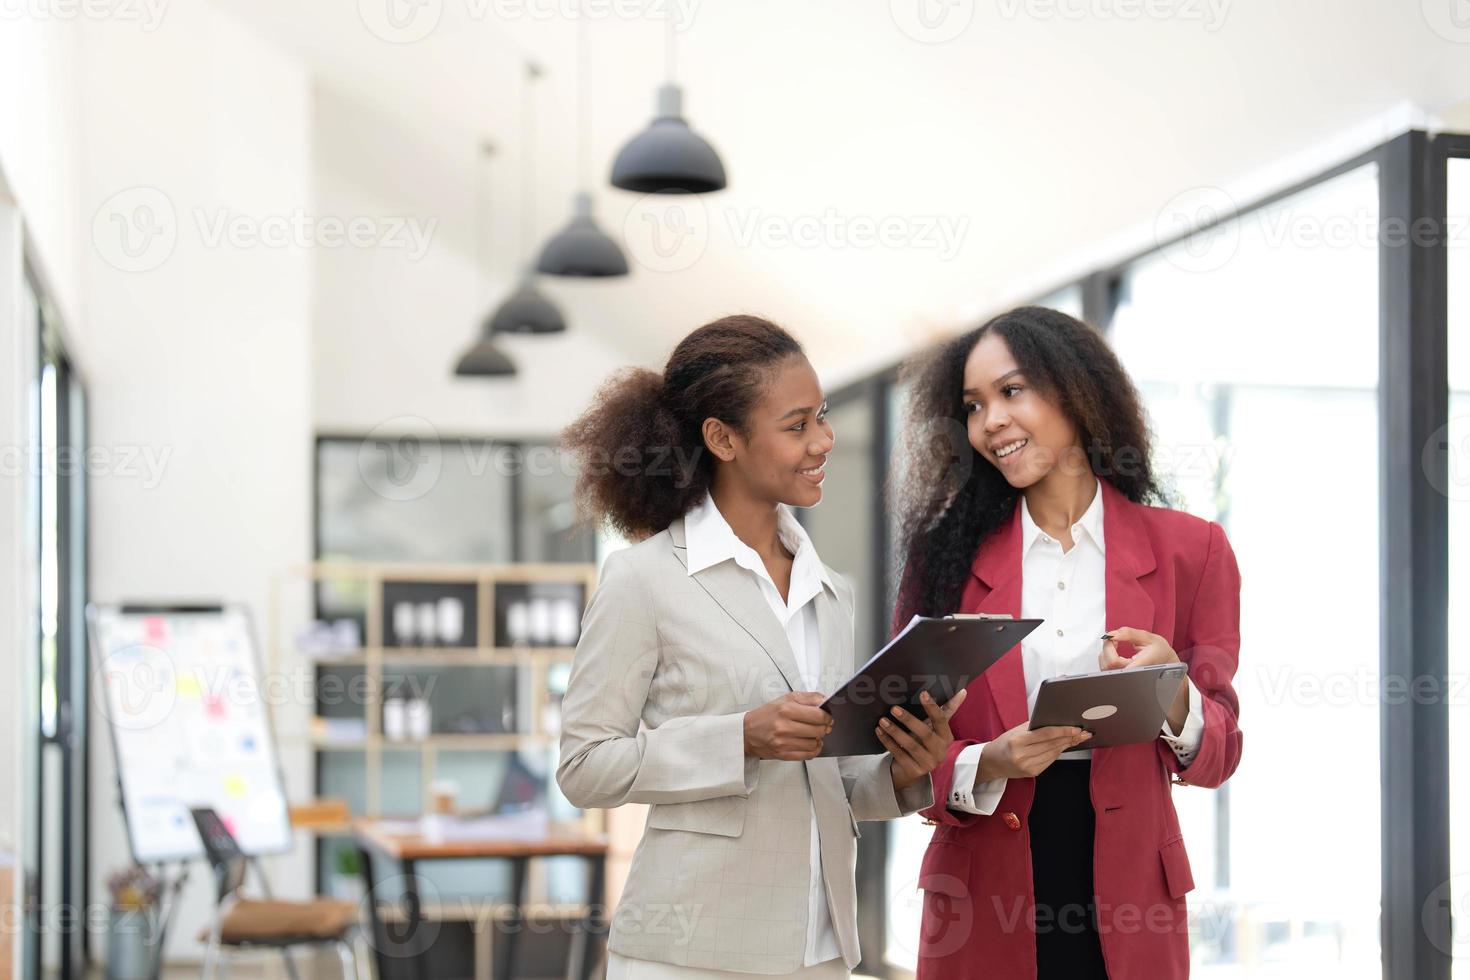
1211, 649
608, 757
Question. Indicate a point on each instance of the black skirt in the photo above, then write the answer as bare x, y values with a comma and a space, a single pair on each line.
1062, 825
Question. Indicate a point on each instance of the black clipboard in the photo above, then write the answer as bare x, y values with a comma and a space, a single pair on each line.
938, 656
1119, 707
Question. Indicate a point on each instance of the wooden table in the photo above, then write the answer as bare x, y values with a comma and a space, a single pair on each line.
408, 849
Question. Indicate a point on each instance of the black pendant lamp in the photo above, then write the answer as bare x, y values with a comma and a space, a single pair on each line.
582, 249
483, 359
527, 311
668, 157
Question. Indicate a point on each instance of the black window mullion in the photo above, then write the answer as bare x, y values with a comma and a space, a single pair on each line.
1413, 401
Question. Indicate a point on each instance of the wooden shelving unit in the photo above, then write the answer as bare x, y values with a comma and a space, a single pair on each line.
376, 657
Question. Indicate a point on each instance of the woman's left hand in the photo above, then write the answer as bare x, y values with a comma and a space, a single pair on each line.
917, 745
1149, 649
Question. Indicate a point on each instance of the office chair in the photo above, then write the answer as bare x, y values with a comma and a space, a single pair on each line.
247, 925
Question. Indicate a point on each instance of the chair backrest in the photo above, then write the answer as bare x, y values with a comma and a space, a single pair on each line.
222, 851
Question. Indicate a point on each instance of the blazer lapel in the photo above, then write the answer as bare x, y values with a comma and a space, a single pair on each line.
1128, 558
838, 657
740, 596
998, 564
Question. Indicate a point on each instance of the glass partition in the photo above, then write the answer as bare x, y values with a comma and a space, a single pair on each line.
1257, 355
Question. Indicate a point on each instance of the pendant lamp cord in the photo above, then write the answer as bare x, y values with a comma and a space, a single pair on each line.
669, 45
584, 117
485, 151
528, 161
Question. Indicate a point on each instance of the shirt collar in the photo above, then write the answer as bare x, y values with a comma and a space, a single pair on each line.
709, 540
1089, 525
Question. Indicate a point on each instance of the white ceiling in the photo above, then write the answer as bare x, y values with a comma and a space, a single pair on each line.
1047, 130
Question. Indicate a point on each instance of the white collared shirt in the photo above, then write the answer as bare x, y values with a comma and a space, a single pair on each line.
709, 540
1068, 591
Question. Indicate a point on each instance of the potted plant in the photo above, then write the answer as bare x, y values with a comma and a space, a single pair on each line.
132, 933
347, 874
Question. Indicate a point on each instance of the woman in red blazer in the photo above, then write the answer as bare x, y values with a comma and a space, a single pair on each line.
1030, 454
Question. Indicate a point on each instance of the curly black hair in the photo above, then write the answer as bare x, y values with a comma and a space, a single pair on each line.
642, 461
949, 497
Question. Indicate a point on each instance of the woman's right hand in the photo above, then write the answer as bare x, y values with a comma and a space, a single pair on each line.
790, 728
1021, 753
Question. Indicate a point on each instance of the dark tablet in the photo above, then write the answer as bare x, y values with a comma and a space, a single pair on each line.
1119, 707
940, 656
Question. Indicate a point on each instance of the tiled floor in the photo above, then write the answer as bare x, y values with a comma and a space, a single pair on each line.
323, 967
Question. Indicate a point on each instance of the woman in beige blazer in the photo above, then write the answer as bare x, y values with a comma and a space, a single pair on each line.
705, 653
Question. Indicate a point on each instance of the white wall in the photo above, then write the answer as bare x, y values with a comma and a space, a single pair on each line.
196, 359
202, 356
390, 322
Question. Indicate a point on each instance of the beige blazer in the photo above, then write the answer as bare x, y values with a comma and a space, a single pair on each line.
666, 668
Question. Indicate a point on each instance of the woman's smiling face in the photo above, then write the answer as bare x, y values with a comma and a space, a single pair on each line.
783, 457
1016, 429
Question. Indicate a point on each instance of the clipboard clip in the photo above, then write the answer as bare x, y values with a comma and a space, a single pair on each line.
978, 616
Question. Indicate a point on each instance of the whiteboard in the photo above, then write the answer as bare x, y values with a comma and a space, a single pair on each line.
180, 690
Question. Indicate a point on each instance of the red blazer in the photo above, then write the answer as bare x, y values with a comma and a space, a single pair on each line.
1166, 572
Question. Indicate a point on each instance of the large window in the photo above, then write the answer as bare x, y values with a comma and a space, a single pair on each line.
1289, 356
1257, 355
